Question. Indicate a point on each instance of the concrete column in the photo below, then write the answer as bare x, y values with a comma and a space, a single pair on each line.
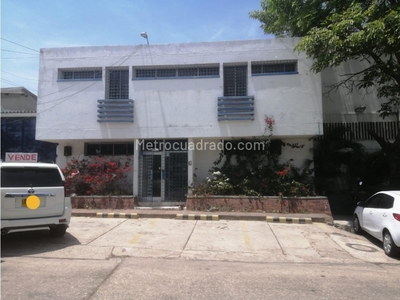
191, 165
136, 150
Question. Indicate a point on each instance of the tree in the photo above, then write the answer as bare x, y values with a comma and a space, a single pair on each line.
338, 31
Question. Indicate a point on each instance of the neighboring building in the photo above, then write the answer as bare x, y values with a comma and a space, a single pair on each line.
108, 100
354, 109
18, 123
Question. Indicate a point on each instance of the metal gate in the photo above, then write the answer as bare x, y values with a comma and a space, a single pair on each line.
176, 176
163, 176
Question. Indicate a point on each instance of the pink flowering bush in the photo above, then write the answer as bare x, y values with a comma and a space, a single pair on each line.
97, 176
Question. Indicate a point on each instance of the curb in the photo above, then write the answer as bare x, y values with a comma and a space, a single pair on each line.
197, 217
118, 215
207, 217
344, 227
288, 220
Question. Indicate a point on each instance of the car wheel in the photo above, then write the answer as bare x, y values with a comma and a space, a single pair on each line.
58, 230
356, 226
388, 245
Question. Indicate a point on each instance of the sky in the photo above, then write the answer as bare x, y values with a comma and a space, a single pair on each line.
27, 26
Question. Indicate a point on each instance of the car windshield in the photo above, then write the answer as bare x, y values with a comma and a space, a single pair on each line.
30, 177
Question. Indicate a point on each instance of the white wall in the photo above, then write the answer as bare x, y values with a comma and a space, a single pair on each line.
173, 108
339, 105
204, 159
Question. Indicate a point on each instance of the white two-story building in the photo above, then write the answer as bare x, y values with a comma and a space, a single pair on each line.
167, 108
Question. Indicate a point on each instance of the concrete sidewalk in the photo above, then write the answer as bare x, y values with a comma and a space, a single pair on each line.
185, 214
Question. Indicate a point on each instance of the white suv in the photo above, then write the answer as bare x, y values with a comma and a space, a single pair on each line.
33, 197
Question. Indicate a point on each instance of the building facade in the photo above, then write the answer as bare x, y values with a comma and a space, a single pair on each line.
18, 126
168, 109
356, 110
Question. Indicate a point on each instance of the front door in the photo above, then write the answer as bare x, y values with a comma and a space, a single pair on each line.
163, 175
152, 177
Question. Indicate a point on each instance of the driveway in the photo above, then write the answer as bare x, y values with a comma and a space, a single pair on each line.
243, 241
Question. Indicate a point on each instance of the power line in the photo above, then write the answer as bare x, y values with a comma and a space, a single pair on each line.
19, 76
15, 51
19, 45
10, 82
63, 99
19, 57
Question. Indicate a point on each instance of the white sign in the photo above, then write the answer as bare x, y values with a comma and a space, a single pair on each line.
21, 157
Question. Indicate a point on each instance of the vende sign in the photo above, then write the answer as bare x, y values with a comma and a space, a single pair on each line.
21, 157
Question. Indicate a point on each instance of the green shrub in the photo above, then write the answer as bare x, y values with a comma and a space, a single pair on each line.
256, 172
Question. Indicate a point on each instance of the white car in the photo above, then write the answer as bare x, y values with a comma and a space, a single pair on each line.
33, 197
379, 216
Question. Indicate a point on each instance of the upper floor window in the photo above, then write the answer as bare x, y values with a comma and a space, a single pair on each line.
117, 83
193, 71
274, 67
80, 74
235, 80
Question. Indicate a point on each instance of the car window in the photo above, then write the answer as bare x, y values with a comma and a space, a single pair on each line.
386, 202
26, 177
373, 202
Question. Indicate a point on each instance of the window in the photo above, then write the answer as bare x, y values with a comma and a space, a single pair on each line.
176, 72
373, 202
27, 176
80, 74
166, 73
235, 80
188, 72
118, 83
145, 73
274, 67
109, 148
386, 202
381, 201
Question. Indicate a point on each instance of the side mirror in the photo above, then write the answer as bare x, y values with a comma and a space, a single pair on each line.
360, 203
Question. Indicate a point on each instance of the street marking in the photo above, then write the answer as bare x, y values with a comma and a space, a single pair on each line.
245, 234
197, 217
139, 235
288, 220
118, 215
154, 222
135, 238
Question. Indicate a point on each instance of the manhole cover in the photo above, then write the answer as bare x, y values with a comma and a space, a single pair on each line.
361, 247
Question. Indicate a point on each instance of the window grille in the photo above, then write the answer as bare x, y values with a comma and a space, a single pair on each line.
118, 84
166, 73
235, 80
80, 74
176, 72
108, 148
176, 179
209, 71
274, 67
145, 73
188, 72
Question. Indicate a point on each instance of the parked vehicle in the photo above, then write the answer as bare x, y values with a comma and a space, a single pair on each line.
379, 216
33, 197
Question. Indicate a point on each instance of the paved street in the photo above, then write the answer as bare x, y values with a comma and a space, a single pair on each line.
185, 259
